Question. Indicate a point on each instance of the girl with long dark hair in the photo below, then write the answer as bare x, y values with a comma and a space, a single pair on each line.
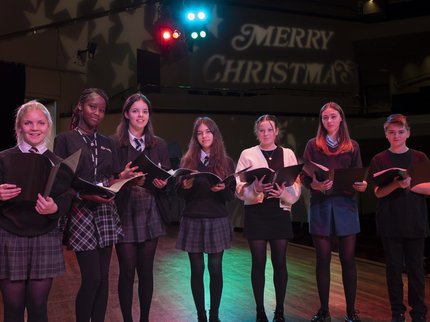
205, 224
140, 218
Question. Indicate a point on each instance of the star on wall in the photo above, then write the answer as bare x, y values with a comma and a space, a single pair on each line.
38, 16
34, 3
133, 30
71, 44
122, 72
67, 5
214, 22
103, 4
102, 26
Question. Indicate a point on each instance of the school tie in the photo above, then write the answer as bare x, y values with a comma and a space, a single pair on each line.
138, 142
206, 160
33, 150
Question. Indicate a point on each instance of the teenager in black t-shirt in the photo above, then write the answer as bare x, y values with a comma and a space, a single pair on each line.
401, 218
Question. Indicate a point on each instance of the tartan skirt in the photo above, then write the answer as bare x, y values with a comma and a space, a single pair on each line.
37, 257
204, 235
140, 219
90, 225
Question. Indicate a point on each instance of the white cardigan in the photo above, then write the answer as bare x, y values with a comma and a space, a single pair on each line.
254, 158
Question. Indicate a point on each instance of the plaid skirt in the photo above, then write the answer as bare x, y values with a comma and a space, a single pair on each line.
204, 235
90, 225
37, 257
141, 220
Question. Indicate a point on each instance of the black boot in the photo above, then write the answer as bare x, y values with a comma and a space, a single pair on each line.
261, 316
352, 317
213, 316
278, 316
201, 317
321, 316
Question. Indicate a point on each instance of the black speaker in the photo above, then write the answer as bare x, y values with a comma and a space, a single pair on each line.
148, 70
410, 103
12, 91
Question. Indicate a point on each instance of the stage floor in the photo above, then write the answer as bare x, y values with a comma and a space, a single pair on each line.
173, 301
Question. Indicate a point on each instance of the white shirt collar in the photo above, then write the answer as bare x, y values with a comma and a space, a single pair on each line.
25, 147
132, 137
203, 155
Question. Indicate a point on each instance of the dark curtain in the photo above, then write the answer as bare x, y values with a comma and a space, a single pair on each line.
12, 92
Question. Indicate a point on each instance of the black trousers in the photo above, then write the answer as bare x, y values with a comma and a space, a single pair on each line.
408, 253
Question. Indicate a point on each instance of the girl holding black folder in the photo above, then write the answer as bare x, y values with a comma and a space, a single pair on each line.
31, 253
205, 224
333, 214
140, 218
93, 225
401, 219
268, 213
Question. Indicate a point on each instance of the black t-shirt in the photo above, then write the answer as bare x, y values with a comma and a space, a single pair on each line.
402, 213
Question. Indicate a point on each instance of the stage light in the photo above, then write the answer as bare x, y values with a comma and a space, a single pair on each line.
202, 34
201, 15
176, 34
194, 16
191, 16
166, 34
194, 35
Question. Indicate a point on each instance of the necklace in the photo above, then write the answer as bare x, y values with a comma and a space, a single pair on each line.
87, 138
90, 140
268, 154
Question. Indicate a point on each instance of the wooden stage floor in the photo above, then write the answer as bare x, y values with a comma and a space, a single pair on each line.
172, 299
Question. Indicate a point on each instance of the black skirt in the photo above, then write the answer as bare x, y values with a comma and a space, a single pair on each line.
266, 221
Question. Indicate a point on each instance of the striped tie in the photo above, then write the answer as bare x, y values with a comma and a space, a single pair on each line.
33, 150
206, 160
138, 143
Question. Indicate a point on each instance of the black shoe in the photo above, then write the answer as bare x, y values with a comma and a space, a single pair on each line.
261, 316
321, 316
398, 318
353, 317
201, 317
213, 316
279, 316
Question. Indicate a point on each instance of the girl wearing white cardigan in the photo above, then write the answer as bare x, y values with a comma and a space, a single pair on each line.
268, 213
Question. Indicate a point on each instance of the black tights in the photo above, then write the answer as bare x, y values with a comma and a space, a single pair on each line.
30, 294
134, 257
349, 271
278, 250
197, 263
92, 297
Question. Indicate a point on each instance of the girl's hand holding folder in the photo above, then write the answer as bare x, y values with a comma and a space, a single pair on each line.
9, 191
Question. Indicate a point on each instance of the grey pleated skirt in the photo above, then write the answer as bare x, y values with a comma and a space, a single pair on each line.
204, 235
38, 257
